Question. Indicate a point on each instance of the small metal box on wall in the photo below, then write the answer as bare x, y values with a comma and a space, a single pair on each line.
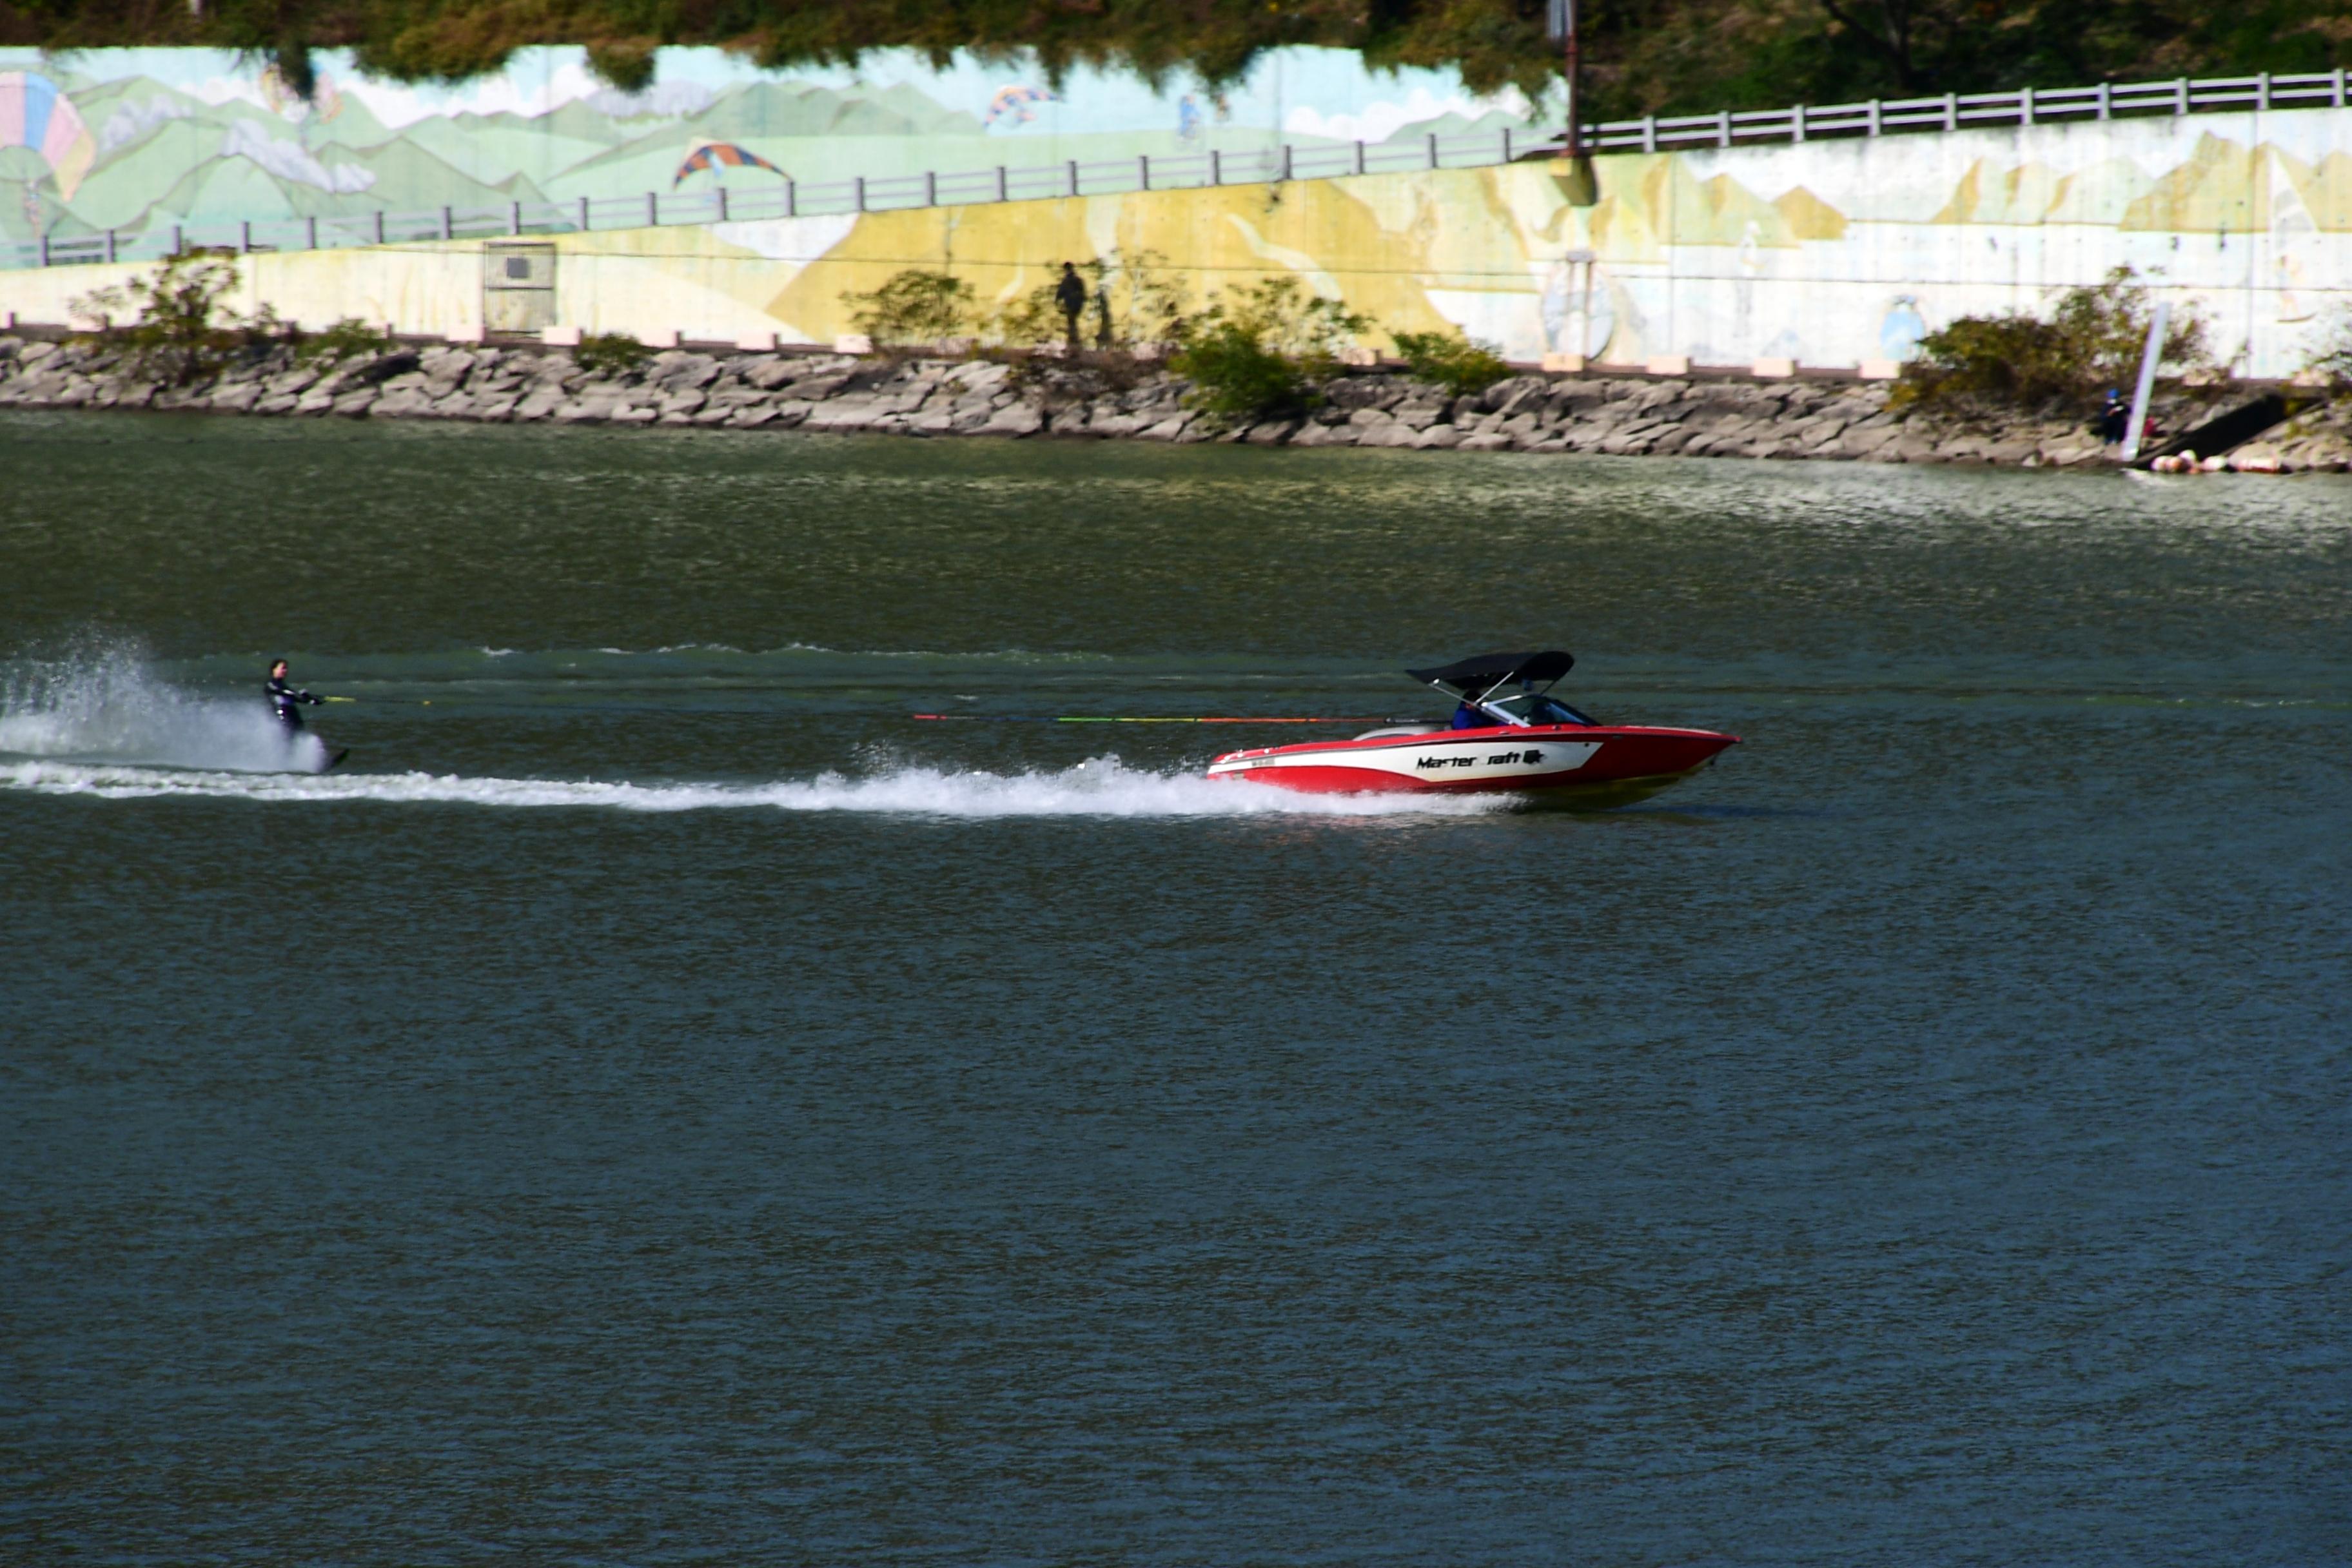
517, 288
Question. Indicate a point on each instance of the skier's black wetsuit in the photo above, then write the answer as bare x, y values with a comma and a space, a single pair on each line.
283, 698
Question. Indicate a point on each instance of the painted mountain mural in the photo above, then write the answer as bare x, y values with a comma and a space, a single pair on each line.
126, 139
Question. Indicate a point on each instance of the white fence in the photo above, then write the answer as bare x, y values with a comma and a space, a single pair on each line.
1322, 159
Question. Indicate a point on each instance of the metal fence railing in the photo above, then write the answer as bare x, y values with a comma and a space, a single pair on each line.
1976, 110
1300, 161
797, 198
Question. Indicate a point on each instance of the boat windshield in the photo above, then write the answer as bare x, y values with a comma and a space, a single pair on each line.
1535, 707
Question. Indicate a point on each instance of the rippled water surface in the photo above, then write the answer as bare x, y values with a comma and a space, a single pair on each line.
657, 1103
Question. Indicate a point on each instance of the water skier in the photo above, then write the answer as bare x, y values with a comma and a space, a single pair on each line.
285, 700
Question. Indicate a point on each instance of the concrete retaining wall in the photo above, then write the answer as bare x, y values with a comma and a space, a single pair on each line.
1829, 254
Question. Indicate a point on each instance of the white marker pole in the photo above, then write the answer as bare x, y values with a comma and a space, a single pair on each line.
2148, 356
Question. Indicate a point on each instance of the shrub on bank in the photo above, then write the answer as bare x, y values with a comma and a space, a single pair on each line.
1034, 320
2091, 339
1141, 302
1238, 378
1461, 364
349, 338
2331, 353
183, 331
1134, 304
610, 354
914, 307
1257, 352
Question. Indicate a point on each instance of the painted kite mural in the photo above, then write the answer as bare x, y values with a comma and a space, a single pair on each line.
1016, 105
720, 154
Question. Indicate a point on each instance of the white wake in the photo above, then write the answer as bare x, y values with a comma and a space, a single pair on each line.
105, 707
1103, 786
102, 723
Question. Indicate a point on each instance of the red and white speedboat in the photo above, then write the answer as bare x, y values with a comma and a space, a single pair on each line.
1509, 736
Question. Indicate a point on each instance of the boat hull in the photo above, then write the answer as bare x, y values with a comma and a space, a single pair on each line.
1568, 766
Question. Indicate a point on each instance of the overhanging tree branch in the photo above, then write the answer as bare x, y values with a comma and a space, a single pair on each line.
1895, 43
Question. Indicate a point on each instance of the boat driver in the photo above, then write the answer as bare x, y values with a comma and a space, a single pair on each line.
1469, 718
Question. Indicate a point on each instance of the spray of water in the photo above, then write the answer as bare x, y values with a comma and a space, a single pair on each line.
1101, 787
104, 706
100, 723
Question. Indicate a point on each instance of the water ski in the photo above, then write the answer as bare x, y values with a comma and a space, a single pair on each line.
338, 757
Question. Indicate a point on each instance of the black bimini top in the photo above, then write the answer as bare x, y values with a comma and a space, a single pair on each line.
1488, 671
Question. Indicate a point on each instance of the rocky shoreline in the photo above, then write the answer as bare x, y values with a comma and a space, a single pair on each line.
1824, 418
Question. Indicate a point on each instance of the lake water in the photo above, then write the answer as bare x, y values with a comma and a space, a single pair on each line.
658, 1104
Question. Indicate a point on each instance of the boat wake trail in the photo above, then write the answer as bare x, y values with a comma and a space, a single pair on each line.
1101, 787
105, 707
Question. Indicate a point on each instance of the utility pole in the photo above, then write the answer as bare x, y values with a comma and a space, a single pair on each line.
1577, 182
1560, 22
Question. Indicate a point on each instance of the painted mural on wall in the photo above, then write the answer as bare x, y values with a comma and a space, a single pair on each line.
1830, 253
2245, 217
123, 139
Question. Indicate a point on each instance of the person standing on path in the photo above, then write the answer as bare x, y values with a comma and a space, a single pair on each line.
1070, 294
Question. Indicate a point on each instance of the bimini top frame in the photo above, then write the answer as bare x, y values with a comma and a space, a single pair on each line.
1477, 679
